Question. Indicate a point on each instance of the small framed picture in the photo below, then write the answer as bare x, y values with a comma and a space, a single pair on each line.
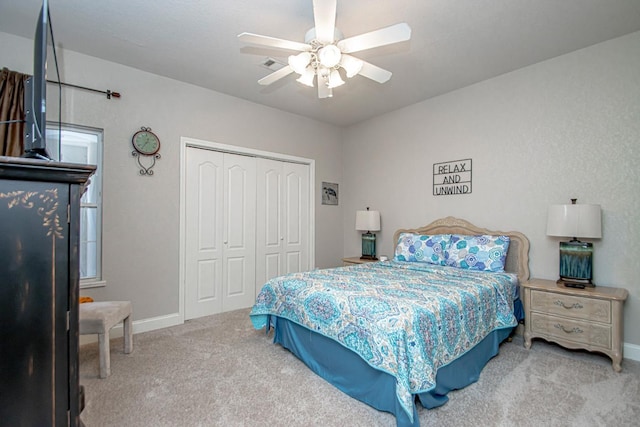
329, 193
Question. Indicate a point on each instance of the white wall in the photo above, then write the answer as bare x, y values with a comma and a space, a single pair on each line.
563, 128
141, 214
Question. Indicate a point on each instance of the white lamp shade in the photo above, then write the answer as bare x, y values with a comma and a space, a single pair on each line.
367, 220
351, 65
299, 62
575, 221
334, 79
307, 77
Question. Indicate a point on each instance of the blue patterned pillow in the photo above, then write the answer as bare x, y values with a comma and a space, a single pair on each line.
483, 253
422, 248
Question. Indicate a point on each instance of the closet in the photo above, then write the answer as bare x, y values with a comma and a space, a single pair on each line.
246, 219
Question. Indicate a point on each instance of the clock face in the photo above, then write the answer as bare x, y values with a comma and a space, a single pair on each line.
146, 142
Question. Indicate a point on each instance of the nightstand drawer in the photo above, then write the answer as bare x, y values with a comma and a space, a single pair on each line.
595, 310
564, 329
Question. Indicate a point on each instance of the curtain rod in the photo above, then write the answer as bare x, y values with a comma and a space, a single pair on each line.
107, 92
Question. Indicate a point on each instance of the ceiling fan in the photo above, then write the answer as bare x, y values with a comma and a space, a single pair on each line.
325, 51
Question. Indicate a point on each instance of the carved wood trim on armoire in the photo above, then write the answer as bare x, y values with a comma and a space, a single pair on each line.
39, 281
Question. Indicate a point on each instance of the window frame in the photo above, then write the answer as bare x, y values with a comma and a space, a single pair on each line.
96, 180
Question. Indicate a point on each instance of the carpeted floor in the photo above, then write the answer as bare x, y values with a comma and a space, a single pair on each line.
219, 371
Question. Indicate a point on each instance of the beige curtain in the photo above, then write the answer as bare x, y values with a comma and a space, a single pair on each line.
11, 108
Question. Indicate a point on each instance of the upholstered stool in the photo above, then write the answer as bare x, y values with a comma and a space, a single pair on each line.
99, 318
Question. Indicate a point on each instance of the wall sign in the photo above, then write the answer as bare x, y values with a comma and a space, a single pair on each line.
452, 177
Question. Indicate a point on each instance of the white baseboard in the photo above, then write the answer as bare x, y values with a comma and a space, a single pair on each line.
139, 326
631, 351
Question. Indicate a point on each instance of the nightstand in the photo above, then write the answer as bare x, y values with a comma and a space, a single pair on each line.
590, 318
356, 260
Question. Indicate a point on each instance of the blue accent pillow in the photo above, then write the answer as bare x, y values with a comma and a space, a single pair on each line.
422, 248
482, 253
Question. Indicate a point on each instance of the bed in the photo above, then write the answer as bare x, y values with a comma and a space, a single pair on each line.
409, 329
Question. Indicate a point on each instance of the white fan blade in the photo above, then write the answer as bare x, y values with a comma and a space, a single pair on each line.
374, 72
324, 14
257, 39
384, 36
276, 75
323, 90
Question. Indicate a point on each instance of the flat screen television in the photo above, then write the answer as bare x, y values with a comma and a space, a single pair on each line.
35, 95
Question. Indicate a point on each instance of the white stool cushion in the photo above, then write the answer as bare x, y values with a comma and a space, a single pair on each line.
100, 317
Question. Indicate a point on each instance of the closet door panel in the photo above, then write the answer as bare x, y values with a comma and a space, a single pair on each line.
293, 212
236, 281
269, 236
272, 207
293, 262
239, 231
207, 272
208, 236
204, 246
273, 268
296, 239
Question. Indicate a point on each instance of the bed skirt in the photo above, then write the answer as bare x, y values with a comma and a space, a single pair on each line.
350, 373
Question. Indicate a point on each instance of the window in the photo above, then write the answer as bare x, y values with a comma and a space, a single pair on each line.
76, 144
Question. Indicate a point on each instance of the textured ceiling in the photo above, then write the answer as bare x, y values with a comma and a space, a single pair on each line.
454, 43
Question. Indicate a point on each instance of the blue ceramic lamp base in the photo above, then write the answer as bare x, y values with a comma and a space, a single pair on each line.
576, 261
369, 246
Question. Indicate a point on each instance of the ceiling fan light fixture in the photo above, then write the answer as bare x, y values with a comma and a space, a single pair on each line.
319, 59
329, 55
306, 78
351, 65
299, 62
334, 79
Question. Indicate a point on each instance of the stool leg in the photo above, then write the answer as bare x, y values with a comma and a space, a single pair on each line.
128, 335
105, 359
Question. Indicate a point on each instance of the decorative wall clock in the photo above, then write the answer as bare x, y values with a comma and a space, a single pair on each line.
146, 144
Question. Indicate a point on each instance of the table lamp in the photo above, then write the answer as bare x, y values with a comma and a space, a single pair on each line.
576, 257
368, 221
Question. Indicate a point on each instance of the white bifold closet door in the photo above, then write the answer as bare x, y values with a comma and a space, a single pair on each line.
220, 239
282, 232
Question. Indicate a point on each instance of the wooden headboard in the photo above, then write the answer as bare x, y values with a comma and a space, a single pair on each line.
517, 256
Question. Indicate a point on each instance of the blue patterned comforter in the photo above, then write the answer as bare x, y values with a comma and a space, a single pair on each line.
406, 319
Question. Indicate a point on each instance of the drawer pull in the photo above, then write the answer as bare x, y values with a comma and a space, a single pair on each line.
568, 307
575, 330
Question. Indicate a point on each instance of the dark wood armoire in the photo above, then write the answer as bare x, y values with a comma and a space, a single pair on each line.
39, 280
